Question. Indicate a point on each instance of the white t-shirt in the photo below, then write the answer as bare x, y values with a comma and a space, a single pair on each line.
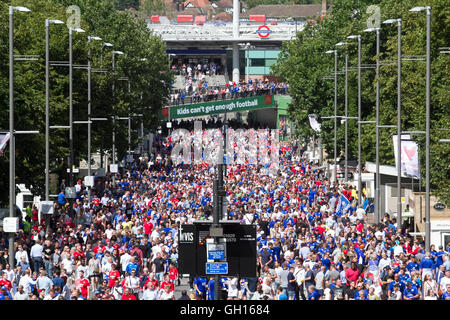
150, 294
124, 261
68, 265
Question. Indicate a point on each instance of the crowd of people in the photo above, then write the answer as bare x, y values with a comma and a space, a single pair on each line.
123, 243
204, 92
198, 70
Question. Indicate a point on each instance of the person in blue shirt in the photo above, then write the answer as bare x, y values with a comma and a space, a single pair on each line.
62, 198
446, 294
427, 264
281, 295
412, 265
396, 281
410, 292
200, 284
313, 294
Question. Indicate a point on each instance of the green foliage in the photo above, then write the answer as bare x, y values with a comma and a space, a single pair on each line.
149, 84
304, 64
154, 7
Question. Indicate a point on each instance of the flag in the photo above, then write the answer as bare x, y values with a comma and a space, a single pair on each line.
409, 156
314, 124
4, 138
343, 205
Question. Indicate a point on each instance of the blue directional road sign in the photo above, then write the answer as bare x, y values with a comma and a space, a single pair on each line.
217, 268
216, 254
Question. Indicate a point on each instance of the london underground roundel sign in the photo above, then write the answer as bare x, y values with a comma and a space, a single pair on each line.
263, 31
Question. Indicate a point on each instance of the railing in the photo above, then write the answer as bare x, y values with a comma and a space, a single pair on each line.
208, 32
208, 96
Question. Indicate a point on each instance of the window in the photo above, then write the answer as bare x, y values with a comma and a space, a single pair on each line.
257, 62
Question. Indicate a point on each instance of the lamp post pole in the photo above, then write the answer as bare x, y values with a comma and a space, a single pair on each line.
12, 140
427, 124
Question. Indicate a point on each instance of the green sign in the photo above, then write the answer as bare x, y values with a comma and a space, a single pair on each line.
216, 107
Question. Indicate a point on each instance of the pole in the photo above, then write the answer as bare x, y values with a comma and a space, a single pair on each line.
427, 134
359, 122
377, 155
113, 126
335, 117
216, 224
346, 115
129, 121
12, 147
70, 109
399, 123
89, 114
248, 63
47, 111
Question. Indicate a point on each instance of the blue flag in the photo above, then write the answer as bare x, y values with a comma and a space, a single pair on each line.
343, 205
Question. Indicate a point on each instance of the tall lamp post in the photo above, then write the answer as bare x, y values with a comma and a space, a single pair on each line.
90, 38
346, 110
114, 118
399, 123
12, 146
427, 125
47, 103
71, 161
358, 37
335, 113
377, 120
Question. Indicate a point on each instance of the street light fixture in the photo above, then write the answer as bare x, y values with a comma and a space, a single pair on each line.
399, 123
90, 38
12, 146
341, 44
113, 118
48, 22
427, 125
335, 113
105, 44
358, 37
377, 128
71, 160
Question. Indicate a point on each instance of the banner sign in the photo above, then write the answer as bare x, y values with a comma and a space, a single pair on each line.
409, 156
218, 107
4, 138
314, 124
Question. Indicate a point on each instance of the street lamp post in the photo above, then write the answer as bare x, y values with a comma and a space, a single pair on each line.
71, 160
427, 125
12, 146
335, 113
359, 116
399, 123
90, 38
47, 103
114, 118
377, 111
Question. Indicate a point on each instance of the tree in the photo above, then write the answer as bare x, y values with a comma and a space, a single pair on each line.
304, 64
149, 83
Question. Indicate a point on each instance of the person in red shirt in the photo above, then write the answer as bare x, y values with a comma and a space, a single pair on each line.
78, 252
113, 275
167, 282
151, 279
128, 295
352, 273
5, 282
83, 284
173, 273
148, 228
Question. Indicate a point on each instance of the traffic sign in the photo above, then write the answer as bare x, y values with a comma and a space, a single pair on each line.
264, 31
216, 251
217, 268
10, 224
